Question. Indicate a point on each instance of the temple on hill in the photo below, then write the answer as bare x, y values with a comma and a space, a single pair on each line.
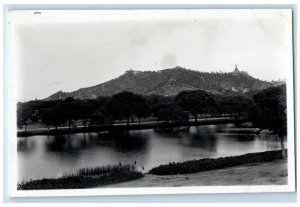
133, 71
237, 71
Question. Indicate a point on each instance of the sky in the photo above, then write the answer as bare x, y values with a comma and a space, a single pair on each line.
67, 50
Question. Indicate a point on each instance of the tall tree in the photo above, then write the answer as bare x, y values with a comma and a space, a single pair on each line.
171, 112
48, 117
142, 110
97, 112
196, 102
52, 116
24, 115
70, 110
124, 105
270, 112
236, 106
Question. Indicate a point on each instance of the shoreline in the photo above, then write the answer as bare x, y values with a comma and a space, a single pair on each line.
265, 173
165, 172
79, 181
206, 164
124, 127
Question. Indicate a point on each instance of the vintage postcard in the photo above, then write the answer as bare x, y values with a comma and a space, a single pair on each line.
115, 102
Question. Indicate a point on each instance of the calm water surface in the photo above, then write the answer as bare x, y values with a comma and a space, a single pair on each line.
53, 156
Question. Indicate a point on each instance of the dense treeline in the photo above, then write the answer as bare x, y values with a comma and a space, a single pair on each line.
130, 107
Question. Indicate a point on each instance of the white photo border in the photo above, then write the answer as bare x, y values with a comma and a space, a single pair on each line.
13, 192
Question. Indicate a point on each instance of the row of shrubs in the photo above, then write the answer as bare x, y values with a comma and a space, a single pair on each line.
194, 166
73, 182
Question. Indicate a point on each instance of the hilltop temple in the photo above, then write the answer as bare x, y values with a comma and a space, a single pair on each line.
237, 71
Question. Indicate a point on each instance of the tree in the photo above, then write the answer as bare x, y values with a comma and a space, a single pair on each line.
84, 111
24, 115
156, 101
171, 112
95, 110
196, 102
142, 111
70, 110
236, 106
51, 116
270, 112
98, 118
124, 105
48, 118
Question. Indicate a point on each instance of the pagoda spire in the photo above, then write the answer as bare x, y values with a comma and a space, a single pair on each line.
236, 68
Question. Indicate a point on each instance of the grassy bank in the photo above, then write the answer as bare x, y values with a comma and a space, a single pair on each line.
264, 173
85, 178
194, 166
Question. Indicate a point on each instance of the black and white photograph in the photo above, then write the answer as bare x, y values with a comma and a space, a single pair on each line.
106, 102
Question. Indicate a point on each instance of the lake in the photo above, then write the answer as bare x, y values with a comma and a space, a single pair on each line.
53, 156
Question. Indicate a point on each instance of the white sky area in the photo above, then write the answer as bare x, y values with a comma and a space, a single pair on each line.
67, 50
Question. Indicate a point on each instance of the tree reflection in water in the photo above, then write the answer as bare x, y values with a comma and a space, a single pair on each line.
175, 132
64, 149
53, 155
57, 144
26, 144
204, 138
130, 141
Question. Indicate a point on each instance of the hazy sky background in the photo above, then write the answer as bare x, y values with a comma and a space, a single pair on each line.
53, 53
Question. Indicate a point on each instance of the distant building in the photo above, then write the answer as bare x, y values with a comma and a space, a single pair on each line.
238, 72
179, 67
133, 71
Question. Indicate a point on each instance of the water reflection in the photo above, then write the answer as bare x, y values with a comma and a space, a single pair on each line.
203, 138
245, 137
127, 141
57, 144
85, 142
43, 156
175, 132
26, 145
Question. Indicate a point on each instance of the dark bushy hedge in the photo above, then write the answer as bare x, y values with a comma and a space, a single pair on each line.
211, 164
73, 182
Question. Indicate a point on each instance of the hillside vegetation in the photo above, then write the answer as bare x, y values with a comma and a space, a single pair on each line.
170, 82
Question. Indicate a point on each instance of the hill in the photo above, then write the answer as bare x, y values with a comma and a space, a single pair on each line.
170, 82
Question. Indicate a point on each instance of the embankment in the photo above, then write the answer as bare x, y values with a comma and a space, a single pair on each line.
263, 173
195, 166
85, 178
75, 182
